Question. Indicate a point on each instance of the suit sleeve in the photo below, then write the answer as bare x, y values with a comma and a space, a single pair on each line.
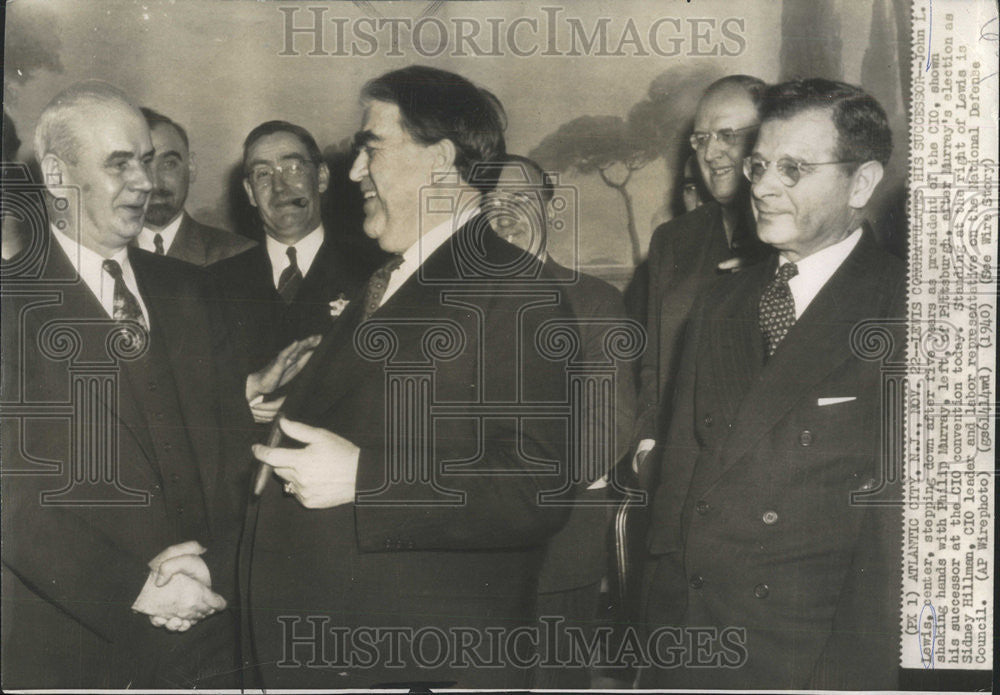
502, 506
659, 261
57, 554
674, 458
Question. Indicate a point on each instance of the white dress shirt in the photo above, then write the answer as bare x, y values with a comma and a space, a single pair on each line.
306, 249
421, 250
147, 237
90, 266
816, 269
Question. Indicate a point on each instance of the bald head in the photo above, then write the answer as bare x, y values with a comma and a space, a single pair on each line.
724, 126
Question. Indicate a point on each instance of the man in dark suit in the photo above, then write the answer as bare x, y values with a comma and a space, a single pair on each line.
686, 252
774, 517
430, 424
295, 283
168, 229
124, 433
520, 210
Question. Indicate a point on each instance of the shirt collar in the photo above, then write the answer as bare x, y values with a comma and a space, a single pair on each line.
147, 236
427, 244
87, 262
306, 249
816, 269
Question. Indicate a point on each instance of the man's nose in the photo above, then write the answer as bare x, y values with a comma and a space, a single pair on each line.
768, 184
142, 178
359, 169
714, 149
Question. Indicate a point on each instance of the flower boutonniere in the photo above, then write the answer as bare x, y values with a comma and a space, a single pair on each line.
338, 305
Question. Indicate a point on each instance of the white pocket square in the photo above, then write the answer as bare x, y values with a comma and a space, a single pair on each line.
833, 401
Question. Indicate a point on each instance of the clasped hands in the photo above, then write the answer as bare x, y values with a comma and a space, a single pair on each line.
278, 372
178, 590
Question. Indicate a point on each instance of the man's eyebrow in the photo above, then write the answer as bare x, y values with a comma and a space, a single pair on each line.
172, 153
364, 137
118, 154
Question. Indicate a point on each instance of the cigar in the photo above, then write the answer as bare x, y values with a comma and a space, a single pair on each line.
301, 202
264, 471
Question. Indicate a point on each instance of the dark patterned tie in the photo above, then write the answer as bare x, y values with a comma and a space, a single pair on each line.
126, 306
290, 279
158, 243
777, 307
377, 285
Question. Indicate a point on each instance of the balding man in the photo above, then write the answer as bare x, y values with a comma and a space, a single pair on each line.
124, 432
685, 253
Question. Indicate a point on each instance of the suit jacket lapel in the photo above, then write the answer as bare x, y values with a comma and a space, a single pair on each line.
188, 244
334, 366
80, 303
817, 343
194, 378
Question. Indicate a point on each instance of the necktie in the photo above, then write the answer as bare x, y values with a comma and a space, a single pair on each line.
126, 306
377, 285
158, 243
290, 279
777, 307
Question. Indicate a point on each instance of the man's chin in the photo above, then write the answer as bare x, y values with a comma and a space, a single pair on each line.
159, 214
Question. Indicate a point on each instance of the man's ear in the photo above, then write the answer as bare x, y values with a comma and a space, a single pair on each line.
866, 178
444, 155
53, 174
249, 190
323, 171
192, 168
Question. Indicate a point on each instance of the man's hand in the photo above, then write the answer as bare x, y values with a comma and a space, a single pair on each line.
731, 265
282, 369
179, 603
265, 411
321, 475
183, 558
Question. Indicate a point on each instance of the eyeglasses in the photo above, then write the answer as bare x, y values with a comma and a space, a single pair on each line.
789, 170
292, 172
727, 136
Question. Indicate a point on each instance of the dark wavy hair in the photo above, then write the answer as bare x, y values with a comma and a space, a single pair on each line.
863, 133
436, 105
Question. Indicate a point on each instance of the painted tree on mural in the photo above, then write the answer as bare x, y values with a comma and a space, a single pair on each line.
610, 146
615, 148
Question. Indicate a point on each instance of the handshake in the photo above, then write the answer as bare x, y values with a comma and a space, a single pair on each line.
178, 591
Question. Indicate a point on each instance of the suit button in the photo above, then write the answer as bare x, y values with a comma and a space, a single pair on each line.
761, 591
805, 437
708, 420
702, 507
180, 508
152, 386
174, 478
770, 517
697, 582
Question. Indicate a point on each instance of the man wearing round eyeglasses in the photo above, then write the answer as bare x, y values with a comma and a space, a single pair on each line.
686, 252
294, 284
776, 516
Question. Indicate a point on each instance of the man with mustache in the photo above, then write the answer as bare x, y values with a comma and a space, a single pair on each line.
124, 432
777, 518
168, 229
295, 283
